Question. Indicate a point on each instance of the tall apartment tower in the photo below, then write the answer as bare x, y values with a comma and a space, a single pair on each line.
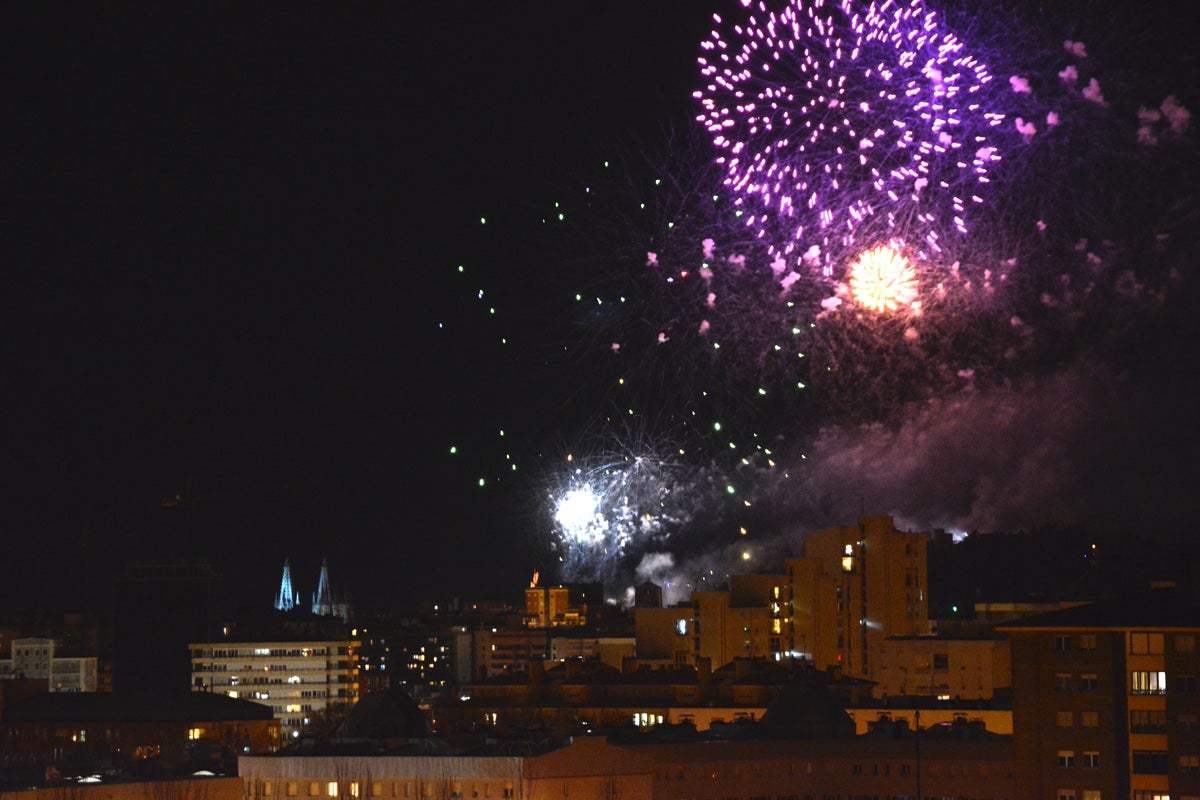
1105, 700
855, 586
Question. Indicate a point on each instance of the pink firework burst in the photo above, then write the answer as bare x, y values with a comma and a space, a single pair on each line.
843, 124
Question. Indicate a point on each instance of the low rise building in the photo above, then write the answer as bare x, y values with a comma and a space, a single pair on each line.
960, 761
137, 734
943, 667
42, 659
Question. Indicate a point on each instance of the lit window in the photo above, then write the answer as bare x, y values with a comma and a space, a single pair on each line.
1189, 763
1091, 794
331, 789
1087, 641
1089, 719
195, 733
1148, 682
1064, 719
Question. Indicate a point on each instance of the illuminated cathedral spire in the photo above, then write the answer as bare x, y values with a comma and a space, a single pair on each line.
322, 601
287, 599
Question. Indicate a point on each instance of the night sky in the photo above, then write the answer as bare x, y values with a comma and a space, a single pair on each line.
232, 242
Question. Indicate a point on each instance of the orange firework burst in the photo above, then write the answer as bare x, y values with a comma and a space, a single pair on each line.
883, 280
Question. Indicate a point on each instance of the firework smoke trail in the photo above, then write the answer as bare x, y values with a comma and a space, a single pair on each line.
840, 125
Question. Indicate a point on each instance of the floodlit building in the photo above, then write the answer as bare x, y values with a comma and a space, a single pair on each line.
1105, 701
39, 659
958, 761
324, 604
855, 587
943, 667
499, 651
296, 679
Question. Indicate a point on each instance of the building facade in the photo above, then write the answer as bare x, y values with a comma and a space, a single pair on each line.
855, 587
1105, 702
594, 767
297, 679
943, 667
38, 659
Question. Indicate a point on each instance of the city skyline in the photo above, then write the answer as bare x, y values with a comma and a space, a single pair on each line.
287, 287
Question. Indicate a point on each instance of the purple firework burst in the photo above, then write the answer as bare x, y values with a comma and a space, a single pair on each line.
841, 124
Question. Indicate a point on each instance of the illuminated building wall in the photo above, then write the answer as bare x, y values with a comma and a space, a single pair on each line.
943, 667
611, 650
593, 767
570, 605
501, 651
1105, 700
723, 631
38, 659
664, 635
854, 587
297, 680
547, 606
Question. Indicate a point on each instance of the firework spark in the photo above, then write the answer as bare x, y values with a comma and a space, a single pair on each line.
839, 124
882, 279
611, 506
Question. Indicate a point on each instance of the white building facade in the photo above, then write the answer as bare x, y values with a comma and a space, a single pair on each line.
37, 659
298, 680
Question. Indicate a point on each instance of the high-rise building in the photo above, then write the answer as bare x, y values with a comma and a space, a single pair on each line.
1105, 701
855, 586
160, 608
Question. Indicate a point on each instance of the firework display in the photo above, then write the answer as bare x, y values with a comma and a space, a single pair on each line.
869, 249
623, 499
840, 123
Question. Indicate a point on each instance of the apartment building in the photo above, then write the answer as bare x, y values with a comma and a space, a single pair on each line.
1105, 702
296, 679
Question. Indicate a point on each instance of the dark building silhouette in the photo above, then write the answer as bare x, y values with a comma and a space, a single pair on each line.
158, 610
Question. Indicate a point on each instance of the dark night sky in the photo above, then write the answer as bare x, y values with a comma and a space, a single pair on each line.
229, 239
